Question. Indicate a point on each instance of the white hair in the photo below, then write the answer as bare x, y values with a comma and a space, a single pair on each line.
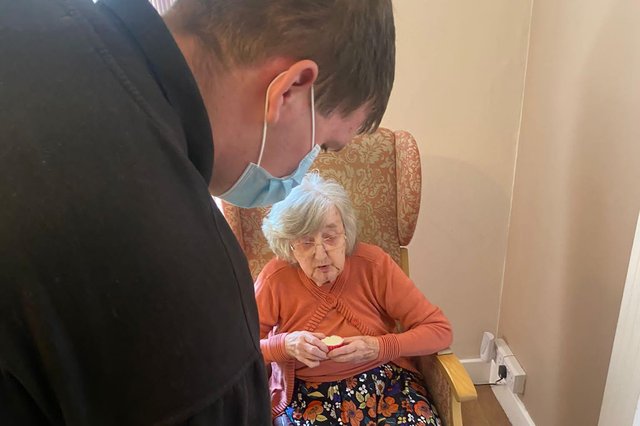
304, 211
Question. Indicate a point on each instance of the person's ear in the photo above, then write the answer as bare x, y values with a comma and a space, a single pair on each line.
295, 81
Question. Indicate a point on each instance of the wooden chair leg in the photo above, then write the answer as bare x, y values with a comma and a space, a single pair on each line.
456, 413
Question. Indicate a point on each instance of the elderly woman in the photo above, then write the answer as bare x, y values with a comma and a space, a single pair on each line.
324, 283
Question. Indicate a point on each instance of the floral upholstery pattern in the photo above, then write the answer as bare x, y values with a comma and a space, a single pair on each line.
438, 385
407, 185
246, 224
380, 172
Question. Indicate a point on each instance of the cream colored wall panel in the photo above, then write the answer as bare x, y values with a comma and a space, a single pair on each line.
575, 205
458, 89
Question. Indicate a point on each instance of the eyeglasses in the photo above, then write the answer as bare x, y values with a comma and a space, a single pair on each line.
307, 246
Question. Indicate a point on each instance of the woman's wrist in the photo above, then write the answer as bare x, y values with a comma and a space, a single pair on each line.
289, 345
374, 345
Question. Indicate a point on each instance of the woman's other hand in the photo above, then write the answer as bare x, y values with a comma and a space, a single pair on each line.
357, 349
306, 347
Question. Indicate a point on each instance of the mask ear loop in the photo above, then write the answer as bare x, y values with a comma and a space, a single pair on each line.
266, 109
313, 118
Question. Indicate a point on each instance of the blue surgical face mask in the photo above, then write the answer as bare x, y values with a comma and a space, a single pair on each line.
256, 187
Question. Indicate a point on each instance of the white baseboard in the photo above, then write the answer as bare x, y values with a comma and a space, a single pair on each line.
485, 372
512, 406
478, 370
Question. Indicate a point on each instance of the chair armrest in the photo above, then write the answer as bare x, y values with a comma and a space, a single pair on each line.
458, 378
448, 383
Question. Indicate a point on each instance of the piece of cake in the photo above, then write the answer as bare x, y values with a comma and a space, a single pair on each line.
333, 342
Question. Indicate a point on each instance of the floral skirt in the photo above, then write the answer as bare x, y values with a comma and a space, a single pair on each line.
385, 395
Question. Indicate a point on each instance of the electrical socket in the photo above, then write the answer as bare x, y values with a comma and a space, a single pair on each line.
515, 374
502, 350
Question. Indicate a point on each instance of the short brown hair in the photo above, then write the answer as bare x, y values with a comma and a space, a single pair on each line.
352, 41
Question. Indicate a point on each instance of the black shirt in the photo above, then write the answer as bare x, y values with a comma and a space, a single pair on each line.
124, 296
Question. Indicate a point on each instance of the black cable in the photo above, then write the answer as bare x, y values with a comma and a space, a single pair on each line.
502, 373
497, 382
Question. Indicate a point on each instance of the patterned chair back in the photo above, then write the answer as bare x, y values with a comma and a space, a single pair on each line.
380, 172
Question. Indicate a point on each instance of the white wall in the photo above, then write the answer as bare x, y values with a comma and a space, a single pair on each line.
622, 392
458, 89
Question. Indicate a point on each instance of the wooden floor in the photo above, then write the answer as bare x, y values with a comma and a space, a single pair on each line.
486, 411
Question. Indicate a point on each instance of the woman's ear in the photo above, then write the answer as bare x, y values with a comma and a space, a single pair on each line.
295, 81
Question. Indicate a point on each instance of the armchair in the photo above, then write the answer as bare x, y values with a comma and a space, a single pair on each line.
382, 174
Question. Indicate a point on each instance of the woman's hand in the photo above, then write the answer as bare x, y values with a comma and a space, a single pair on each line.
306, 347
357, 349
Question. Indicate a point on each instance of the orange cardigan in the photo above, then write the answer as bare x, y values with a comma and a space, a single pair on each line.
367, 298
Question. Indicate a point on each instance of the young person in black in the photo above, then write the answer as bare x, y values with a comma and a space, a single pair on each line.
124, 297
